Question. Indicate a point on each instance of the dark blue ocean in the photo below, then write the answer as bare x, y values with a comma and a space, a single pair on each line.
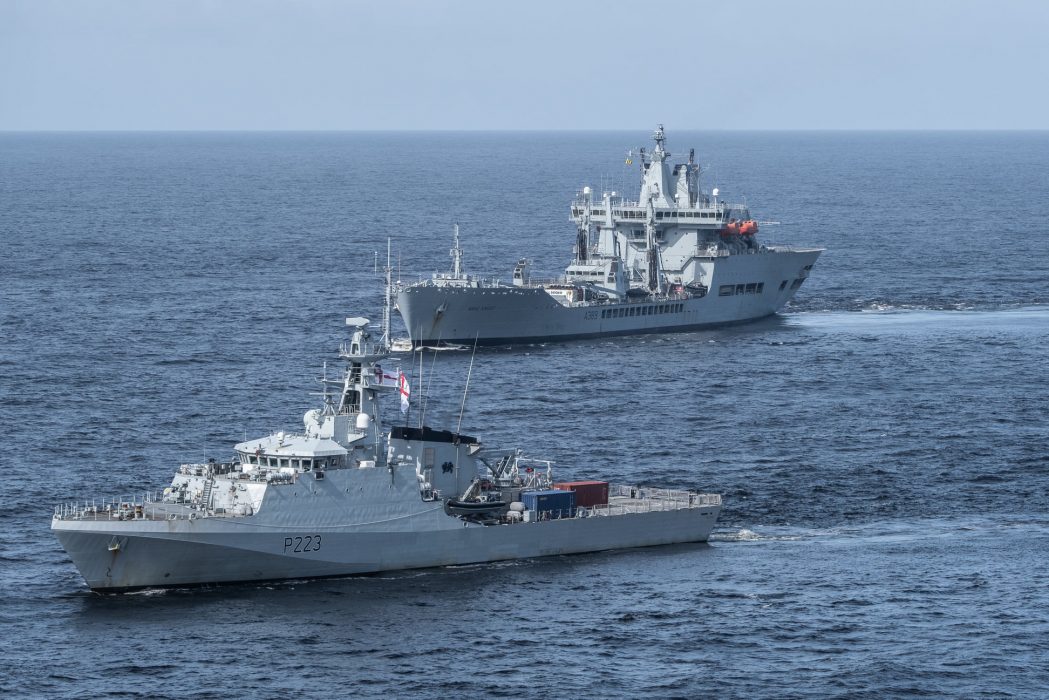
882, 446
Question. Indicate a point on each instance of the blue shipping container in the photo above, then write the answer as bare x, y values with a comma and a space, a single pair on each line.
550, 504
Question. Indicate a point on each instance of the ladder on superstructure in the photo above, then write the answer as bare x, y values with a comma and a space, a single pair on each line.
205, 500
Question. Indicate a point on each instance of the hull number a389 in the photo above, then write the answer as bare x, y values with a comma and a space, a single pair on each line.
306, 543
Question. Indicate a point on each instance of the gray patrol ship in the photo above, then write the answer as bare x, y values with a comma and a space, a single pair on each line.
348, 496
676, 259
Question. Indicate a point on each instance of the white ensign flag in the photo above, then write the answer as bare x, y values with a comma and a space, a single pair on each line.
406, 392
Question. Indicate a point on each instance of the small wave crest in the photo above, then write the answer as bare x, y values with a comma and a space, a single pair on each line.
747, 535
872, 315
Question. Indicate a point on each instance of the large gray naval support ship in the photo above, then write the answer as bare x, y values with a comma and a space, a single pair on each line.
676, 259
348, 496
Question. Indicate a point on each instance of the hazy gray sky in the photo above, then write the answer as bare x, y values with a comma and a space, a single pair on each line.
446, 64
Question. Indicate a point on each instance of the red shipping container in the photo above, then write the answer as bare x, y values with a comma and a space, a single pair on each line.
587, 493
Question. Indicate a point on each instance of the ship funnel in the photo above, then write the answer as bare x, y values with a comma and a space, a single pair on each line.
522, 272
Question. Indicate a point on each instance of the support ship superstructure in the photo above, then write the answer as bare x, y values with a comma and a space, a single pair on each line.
349, 496
677, 259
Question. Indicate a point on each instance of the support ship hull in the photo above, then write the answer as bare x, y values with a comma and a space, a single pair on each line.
502, 315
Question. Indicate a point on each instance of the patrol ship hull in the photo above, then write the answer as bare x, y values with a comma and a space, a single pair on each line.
213, 551
353, 521
507, 314
349, 496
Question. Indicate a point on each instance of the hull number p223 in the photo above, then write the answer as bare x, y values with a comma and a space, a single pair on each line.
307, 543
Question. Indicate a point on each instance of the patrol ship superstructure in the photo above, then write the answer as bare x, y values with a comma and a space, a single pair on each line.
676, 259
349, 496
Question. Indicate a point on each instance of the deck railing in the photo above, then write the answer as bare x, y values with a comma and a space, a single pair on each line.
623, 500
146, 506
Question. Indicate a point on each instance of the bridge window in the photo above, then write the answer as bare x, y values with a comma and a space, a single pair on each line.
725, 290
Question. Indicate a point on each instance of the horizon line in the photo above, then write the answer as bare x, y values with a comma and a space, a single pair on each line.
536, 130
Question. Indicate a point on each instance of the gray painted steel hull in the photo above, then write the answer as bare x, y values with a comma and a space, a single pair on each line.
346, 497
435, 313
216, 550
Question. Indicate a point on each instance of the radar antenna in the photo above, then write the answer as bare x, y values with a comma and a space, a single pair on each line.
659, 137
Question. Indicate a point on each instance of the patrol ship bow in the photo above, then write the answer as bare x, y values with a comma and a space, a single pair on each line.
350, 496
676, 259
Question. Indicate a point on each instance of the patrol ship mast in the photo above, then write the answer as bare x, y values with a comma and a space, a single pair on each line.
676, 259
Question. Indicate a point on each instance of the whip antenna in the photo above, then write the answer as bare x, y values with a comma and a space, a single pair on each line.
426, 393
466, 389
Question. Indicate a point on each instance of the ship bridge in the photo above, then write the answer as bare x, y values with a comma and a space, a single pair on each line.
661, 236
